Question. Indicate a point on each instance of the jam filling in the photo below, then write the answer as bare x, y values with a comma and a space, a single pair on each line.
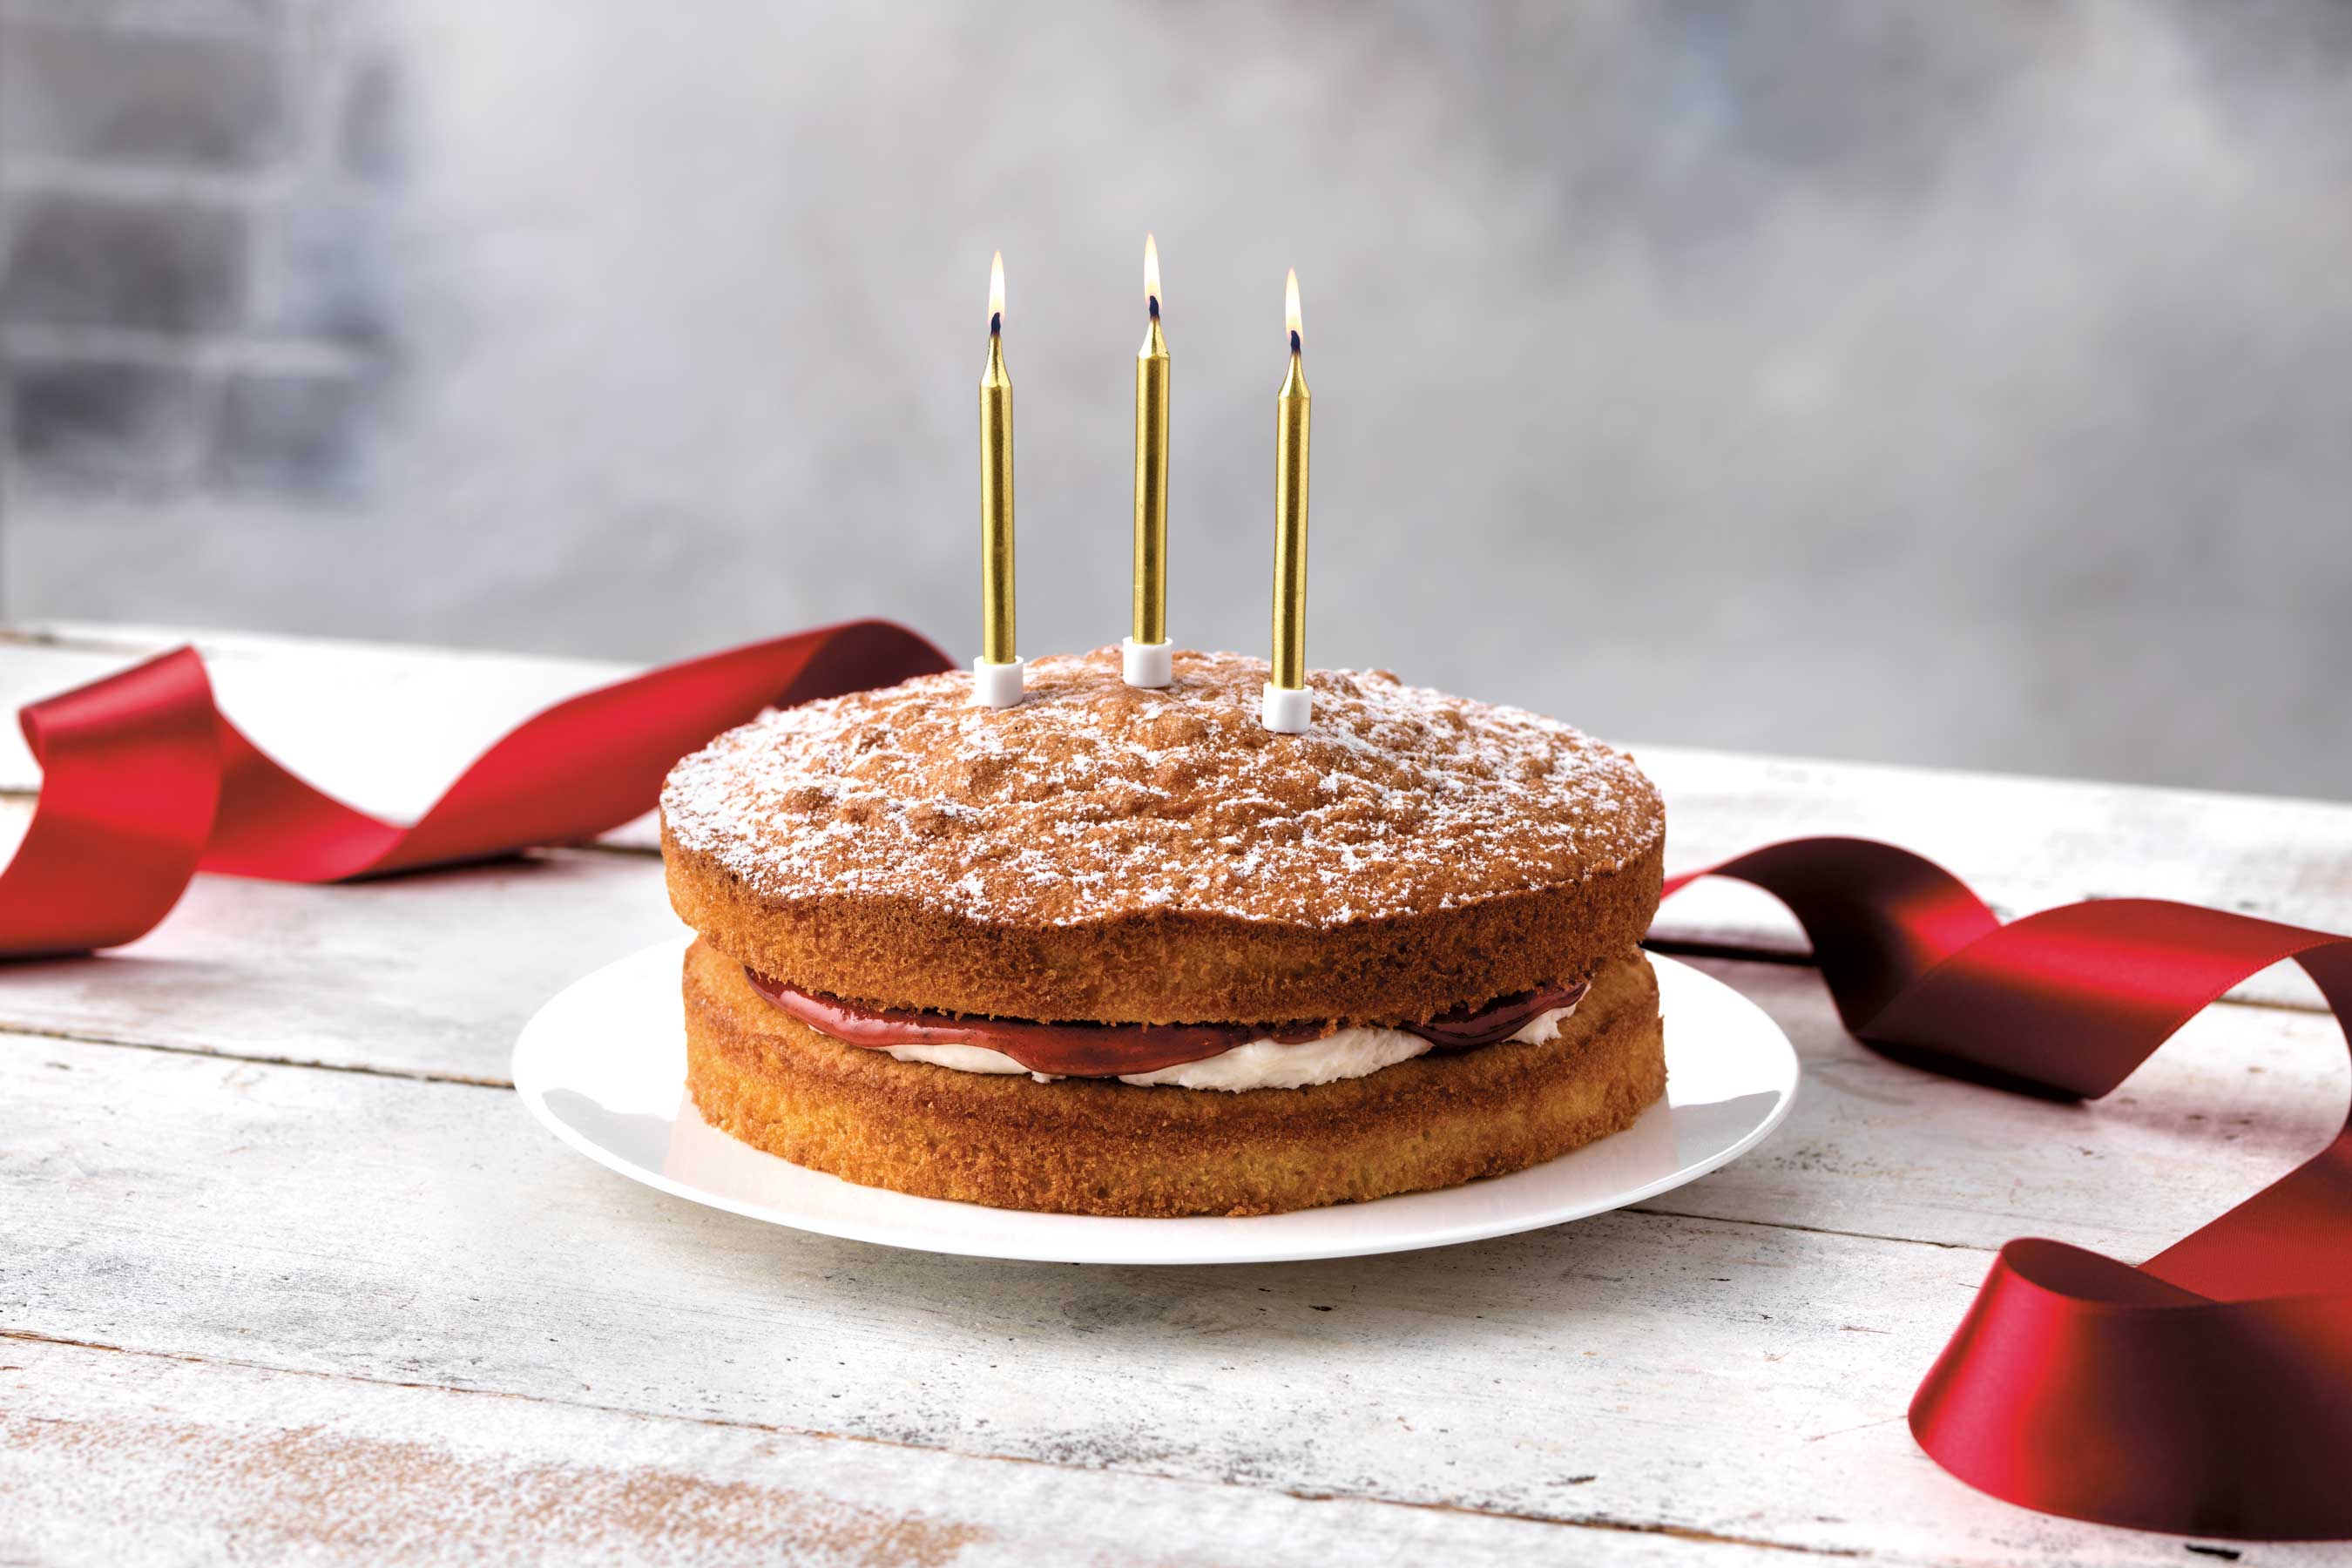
1107, 1050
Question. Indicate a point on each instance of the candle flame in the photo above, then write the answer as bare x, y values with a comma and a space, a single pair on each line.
1290, 308
996, 292
1151, 273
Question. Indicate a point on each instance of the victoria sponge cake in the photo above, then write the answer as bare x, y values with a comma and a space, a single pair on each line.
1126, 951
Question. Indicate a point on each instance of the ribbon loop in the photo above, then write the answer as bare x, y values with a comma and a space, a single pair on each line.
130, 775
2208, 1392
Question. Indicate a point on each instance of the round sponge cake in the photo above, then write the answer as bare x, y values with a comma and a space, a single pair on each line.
1131, 859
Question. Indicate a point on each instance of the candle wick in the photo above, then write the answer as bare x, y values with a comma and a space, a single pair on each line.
1151, 302
995, 322
1294, 342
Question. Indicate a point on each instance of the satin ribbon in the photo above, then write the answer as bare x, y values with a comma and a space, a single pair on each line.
2206, 1392
146, 783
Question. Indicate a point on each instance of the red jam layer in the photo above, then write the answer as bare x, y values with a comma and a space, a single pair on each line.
1107, 1050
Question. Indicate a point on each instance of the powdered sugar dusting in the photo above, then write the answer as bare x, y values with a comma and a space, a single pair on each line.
1094, 799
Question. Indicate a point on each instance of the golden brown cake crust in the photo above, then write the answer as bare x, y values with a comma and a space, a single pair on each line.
1105, 854
1086, 1146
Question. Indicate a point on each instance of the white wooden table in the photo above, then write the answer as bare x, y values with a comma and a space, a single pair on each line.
286, 1273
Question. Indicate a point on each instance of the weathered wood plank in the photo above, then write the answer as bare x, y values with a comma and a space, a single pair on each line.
109, 1459
387, 727
2238, 1099
1738, 1380
397, 976
428, 973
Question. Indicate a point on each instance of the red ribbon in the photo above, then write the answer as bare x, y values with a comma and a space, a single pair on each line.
2207, 1392
145, 783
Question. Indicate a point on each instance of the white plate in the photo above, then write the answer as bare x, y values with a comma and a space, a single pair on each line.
603, 1065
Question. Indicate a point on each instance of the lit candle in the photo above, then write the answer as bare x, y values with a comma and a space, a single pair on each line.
996, 673
1288, 705
1147, 651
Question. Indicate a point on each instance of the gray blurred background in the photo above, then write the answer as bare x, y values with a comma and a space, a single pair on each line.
1960, 383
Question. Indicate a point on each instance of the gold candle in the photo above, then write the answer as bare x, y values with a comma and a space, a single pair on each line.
997, 672
1150, 621
1288, 705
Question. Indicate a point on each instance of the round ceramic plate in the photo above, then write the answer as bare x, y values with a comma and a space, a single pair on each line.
603, 1065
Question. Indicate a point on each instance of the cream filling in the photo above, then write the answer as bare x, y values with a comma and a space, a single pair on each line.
1260, 1064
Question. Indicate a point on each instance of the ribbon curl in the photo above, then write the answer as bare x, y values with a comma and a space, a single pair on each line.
146, 783
2206, 1392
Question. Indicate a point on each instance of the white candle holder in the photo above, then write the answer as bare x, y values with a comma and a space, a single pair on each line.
1288, 712
996, 685
1147, 663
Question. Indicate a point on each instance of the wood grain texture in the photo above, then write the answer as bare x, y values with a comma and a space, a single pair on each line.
433, 972
107, 1458
1641, 1369
345, 1315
